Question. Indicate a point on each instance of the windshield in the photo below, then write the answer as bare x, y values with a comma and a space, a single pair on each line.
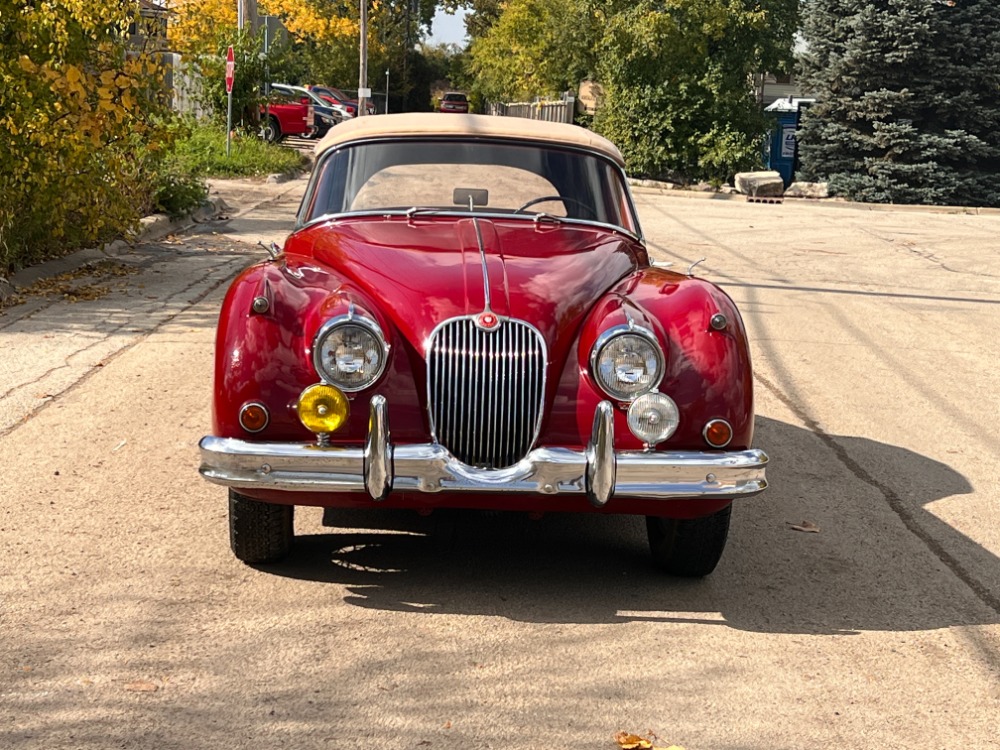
463, 175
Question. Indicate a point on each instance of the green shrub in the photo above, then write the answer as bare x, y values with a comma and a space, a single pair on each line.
83, 121
203, 152
177, 192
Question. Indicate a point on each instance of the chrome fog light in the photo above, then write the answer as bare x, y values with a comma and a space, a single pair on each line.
653, 418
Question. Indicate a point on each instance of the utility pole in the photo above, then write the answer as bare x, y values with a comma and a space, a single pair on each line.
246, 14
363, 92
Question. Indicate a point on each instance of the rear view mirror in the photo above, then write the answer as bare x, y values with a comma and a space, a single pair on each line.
471, 197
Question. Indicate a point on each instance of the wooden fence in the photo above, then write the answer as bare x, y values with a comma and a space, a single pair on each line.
550, 111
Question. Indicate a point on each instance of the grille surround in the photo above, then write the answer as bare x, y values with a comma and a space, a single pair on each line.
486, 389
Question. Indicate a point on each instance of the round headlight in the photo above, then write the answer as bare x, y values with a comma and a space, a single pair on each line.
653, 418
350, 353
627, 365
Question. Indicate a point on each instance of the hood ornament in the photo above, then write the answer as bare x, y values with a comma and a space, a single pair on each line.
487, 320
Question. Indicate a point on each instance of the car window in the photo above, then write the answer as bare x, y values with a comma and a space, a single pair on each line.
507, 178
282, 97
323, 91
454, 97
414, 185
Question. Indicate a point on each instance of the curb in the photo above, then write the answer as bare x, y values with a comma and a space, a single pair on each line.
151, 228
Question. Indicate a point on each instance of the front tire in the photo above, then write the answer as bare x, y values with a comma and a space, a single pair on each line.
688, 547
259, 532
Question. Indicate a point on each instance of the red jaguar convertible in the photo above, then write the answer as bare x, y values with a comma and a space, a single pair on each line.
466, 316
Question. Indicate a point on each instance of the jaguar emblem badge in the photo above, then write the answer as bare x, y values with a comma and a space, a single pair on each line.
487, 321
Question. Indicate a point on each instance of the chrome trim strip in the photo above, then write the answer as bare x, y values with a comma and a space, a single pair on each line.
486, 271
384, 214
302, 467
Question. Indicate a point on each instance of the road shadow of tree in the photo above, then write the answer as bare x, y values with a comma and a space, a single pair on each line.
864, 570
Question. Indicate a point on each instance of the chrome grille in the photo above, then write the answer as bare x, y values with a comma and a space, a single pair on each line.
485, 390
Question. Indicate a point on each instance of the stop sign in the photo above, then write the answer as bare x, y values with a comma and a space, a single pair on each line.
230, 69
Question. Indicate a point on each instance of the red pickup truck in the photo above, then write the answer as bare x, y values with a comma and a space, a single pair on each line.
285, 114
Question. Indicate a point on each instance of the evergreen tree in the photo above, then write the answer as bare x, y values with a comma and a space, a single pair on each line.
908, 99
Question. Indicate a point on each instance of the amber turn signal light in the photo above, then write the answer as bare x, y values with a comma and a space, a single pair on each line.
718, 433
254, 417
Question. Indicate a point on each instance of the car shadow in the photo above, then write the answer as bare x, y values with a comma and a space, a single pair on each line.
867, 568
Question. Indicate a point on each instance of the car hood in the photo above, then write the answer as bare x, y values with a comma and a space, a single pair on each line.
423, 271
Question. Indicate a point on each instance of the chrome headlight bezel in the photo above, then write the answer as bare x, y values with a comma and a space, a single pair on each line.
331, 326
606, 338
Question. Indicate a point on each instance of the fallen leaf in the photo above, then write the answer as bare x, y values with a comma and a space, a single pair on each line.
807, 526
628, 741
141, 686
447, 725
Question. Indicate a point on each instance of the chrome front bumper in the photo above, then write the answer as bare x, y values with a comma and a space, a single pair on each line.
380, 467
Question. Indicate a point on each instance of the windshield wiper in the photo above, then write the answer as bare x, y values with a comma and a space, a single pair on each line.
417, 210
539, 218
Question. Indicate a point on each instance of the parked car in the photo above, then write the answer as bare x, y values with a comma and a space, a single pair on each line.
454, 101
336, 96
326, 114
284, 114
466, 315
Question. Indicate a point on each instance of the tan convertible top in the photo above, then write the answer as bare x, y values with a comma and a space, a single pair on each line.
485, 126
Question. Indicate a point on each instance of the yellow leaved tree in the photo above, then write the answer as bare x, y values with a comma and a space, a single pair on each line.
83, 126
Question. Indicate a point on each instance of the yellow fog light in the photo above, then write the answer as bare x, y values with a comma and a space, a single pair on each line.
322, 408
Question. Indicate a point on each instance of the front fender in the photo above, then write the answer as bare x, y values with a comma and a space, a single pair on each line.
266, 356
708, 372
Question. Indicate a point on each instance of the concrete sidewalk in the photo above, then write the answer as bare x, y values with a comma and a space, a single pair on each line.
89, 306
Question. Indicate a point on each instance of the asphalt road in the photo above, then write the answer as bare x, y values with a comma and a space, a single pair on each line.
125, 622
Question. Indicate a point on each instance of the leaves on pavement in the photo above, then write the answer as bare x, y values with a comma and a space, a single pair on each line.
72, 285
628, 741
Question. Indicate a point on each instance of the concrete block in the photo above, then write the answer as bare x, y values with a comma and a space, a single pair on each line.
807, 190
759, 184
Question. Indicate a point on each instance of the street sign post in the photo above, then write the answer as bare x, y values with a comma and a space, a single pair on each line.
230, 77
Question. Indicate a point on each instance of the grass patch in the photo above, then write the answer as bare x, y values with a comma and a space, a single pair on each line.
203, 153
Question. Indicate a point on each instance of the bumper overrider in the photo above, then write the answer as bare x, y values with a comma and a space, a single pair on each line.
599, 472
